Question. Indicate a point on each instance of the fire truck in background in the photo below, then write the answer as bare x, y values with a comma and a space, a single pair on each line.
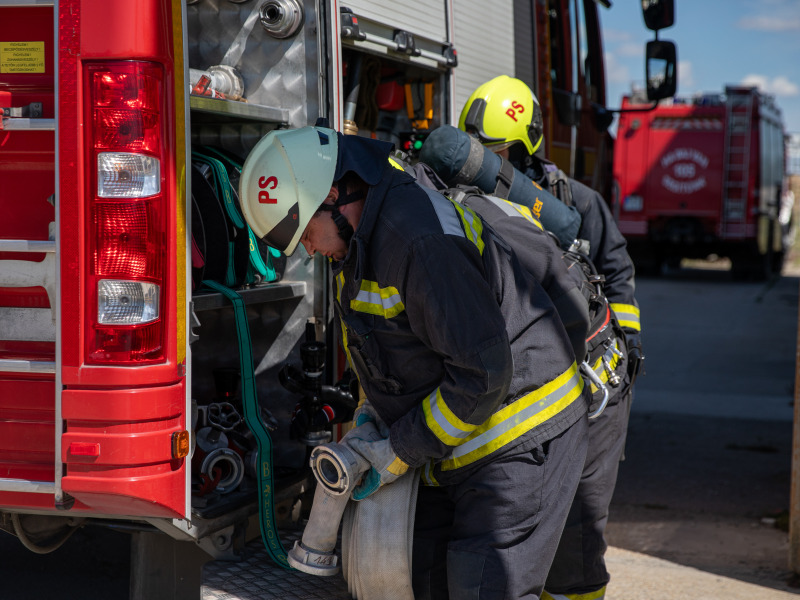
123, 126
704, 175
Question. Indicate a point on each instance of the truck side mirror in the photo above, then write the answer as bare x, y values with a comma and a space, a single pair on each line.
658, 14
568, 107
661, 70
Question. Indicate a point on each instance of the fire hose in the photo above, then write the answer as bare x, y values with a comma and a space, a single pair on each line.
377, 532
252, 415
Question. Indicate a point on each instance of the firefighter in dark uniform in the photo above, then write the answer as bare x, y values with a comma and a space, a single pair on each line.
436, 315
505, 115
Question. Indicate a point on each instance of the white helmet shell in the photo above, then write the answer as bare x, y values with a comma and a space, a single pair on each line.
284, 180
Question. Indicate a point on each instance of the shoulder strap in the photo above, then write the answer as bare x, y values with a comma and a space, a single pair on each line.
252, 415
505, 177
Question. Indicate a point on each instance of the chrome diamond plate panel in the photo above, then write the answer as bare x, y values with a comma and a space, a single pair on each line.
258, 578
277, 73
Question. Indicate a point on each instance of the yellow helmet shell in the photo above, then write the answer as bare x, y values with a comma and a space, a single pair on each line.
504, 110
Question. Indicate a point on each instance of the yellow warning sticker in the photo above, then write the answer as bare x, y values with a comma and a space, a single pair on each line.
22, 57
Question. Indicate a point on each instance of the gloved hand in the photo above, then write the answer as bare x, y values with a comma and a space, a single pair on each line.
366, 413
386, 465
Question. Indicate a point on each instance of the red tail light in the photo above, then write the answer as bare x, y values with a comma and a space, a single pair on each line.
128, 232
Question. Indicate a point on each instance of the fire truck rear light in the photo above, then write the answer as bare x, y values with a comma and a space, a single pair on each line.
84, 449
633, 203
126, 99
127, 302
181, 444
127, 175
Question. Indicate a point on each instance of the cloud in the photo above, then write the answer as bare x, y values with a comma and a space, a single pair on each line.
772, 23
779, 86
630, 49
616, 72
685, 75
616, 36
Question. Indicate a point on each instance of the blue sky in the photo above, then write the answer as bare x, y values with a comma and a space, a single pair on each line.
753, 42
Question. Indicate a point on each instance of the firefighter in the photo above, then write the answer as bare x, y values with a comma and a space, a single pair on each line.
436, 315
506, 117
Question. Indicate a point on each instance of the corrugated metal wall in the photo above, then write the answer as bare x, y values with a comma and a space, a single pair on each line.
424, 18
484, 40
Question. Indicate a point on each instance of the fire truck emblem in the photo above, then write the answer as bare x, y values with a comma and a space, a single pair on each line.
685, 171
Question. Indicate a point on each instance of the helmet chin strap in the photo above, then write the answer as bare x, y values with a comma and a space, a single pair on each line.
343, 225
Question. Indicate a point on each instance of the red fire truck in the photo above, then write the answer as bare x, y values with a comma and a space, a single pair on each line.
702, 176
122, 395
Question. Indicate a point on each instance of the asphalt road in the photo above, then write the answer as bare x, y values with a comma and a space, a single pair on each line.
705, 483
707, 469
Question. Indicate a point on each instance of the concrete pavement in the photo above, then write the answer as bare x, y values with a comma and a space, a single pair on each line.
708, 458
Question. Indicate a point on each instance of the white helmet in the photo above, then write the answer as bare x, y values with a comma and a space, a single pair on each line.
285, 179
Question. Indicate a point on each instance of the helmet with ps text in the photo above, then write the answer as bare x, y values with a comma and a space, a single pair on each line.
289, 174
285, 179
502, 112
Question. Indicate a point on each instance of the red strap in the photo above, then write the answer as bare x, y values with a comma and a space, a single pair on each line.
605, 322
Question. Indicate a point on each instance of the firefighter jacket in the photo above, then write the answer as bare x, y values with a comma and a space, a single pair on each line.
458, 349
539, 254
570, 281
607, 246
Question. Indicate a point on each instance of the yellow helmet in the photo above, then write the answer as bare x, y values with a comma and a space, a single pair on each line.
504, 111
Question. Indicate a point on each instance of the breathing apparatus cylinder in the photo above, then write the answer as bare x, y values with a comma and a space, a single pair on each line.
338, 470
459, 158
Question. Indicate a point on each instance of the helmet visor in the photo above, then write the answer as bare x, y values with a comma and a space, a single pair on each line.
473, 122
281, 235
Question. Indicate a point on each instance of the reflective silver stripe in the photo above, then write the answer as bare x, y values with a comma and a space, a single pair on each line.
427, 474
517, 418
375, 300
512, 209
445, 425
627, 315
488, 436
446, 212
503, 205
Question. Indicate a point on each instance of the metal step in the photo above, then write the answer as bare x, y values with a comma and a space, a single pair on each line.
24, 485
27, 366
22, 124
27, 246
257, 577
5, 3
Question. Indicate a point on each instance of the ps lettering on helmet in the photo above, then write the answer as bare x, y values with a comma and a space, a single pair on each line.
266, 183
515, 109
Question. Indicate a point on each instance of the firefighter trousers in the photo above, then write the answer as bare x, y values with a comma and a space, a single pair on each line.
579, 566
494, 535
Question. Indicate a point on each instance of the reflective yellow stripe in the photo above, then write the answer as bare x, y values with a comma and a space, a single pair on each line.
440, 419
427, 474
627, 315
395, 164
473, 227
339, 286
613, 360
375, 300
518, 418
595, 595
525, 212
